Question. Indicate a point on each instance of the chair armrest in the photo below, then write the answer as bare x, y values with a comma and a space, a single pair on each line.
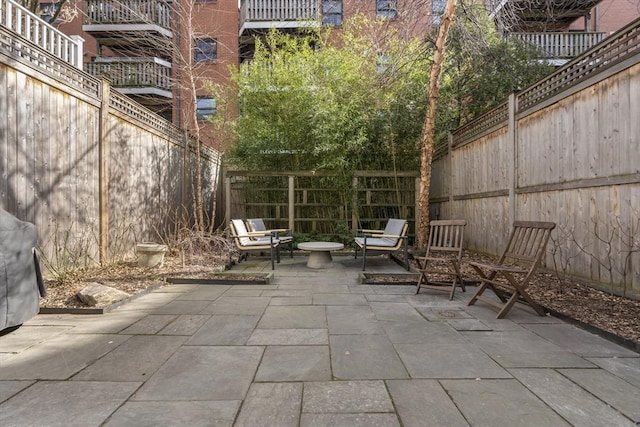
390, 236
260, 233
367, 231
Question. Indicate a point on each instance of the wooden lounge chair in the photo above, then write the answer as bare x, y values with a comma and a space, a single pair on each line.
510, 276
391, 239
254, 241
282, 234
443, 257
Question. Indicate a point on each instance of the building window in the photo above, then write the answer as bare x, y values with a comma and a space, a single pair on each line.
386, 9
47, 10
332, 12
206, 50
206, 107
437, 9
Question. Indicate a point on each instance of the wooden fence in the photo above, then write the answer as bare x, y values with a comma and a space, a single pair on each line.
567, 150
308, 202
93, 170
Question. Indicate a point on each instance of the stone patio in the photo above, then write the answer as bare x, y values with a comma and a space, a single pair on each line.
313, 348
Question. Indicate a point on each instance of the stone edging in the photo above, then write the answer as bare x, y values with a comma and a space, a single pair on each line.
225, 279
101, 310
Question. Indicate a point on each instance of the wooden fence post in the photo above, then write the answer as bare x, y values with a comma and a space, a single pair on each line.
103, 174
354, 205
512, 137
227, 199
292, 199
452, 175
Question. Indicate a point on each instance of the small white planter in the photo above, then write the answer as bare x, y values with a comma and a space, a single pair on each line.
150, 254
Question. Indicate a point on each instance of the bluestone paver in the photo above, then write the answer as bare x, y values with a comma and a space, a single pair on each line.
60, 357
10, 388
135, 360
608, 388
350, 420
627, 368
65, 404
525, 350
185, 324
289, 337
421, 332
219, 413
352, 320
151, 324
424, 403
500, 403
203, 373
365, 357
225, 330
579, 341
271, 405
242, 306
448, 361
346, 397
294, 317
294, 363
575, 404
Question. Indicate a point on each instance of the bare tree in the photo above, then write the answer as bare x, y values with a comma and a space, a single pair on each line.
428, 128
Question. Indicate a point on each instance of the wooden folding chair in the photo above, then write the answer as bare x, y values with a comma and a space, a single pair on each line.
443, 257
510, 276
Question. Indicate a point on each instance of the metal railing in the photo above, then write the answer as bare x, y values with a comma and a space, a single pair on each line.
133, 72
560, 45
156, 12
278, 10
30, 26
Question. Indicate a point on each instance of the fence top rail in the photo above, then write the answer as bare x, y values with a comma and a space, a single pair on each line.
612, 50
364, 174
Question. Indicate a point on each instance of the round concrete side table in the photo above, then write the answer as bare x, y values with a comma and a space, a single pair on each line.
320, 252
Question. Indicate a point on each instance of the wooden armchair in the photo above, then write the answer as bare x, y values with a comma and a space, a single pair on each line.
254, 241
443, 257
391, 239
509, 277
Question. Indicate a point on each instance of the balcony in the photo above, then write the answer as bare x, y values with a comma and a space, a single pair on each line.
129, 25
258, 15
146, 79
560, 47
540, 15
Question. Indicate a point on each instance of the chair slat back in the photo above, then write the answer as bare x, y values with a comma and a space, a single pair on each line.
528, 242
446, 235
241, 235
256, 224
395, 227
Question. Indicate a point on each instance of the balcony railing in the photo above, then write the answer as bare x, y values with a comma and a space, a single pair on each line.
561, 45
137, 74
277, 13
30, 26
150, 12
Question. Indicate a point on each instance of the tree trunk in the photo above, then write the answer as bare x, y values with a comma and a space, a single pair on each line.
428, 128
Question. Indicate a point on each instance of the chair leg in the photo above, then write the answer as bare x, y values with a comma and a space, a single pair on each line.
364, 258
406, 255
273, 266
291, 249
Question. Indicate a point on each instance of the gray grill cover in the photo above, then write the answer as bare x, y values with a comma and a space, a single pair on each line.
20, 281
